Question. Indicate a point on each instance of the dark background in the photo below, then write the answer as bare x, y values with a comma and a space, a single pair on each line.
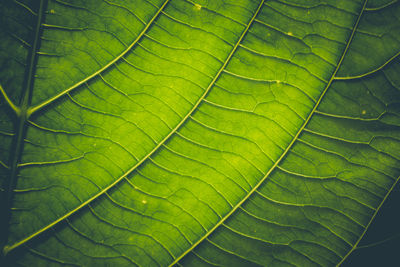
381, 244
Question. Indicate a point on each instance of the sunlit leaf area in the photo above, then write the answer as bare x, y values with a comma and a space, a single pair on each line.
199, 132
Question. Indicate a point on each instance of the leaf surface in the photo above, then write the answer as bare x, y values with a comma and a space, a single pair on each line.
196, 133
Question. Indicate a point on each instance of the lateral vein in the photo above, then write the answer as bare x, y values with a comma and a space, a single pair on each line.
287, 149
9, 101
76, 85
103, 191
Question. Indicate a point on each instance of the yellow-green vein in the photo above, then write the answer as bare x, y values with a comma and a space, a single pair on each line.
9, 101
287, 149
129, 48
119, 179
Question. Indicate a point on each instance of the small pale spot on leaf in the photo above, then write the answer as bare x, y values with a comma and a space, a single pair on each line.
144, 201
290, 33
363, 112
52, 11
197, 7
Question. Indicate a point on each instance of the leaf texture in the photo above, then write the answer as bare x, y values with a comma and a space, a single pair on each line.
196, 133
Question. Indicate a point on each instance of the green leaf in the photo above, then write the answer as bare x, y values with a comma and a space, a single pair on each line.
234, 132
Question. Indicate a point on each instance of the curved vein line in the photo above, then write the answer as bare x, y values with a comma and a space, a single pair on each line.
381, 7
369, 223
129, 48
370, 72
374, 244
28, 164
9, 101
122, 177
287, 149
25, 7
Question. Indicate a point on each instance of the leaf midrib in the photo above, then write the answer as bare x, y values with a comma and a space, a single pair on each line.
20, 126
287, 149
118, 180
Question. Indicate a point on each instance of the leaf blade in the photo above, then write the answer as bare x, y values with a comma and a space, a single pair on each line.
212, 169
